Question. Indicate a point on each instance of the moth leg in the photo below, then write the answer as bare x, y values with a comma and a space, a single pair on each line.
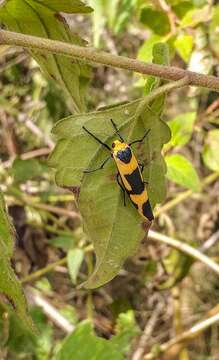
140, 140
96, 138
142, 169
121, 187
99, 168
116, 130
141, 165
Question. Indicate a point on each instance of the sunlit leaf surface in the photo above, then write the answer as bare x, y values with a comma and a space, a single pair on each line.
181, 171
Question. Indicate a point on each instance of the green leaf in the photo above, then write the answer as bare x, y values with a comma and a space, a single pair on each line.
182, 172
23, 170
196, 16
125, 9
161, 57
66, 6
184, 45
43, 18
161, 54
20, 340
116, 13
99, 20
213, 33
181, 129
74, 261
156, 20
44, 337
126, 330
82, 344
64, 242
115, 230
177, 266
201, 59
9, 285
70, 313
211, 150
182, 8
145, 52
149, 271
23, 344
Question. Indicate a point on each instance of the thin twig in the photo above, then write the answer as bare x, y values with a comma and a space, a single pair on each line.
31, 201
185, 248
38, 132
189, 250
184, 195
209, 242
171, 15
35, 153
37, 274
15, 61
55, 210
99, 57
28, 155
212, 107
157, 92
147, 332
177, 319
187, 335
52, 313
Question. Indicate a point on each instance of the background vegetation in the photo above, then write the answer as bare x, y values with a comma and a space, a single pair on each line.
164, 300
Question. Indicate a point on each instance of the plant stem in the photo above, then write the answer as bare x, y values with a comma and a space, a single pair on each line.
51, 312
184, 195
37, 274
55, 210
189, 250
185, 248
186, 335
176, 292
159, 91
88, 54
33, 201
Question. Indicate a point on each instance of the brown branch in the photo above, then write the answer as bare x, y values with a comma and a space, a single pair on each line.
88, 54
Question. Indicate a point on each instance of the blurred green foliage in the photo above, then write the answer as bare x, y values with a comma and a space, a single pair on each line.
30, 105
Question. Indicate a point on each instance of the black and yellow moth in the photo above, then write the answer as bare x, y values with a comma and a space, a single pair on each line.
129, 176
